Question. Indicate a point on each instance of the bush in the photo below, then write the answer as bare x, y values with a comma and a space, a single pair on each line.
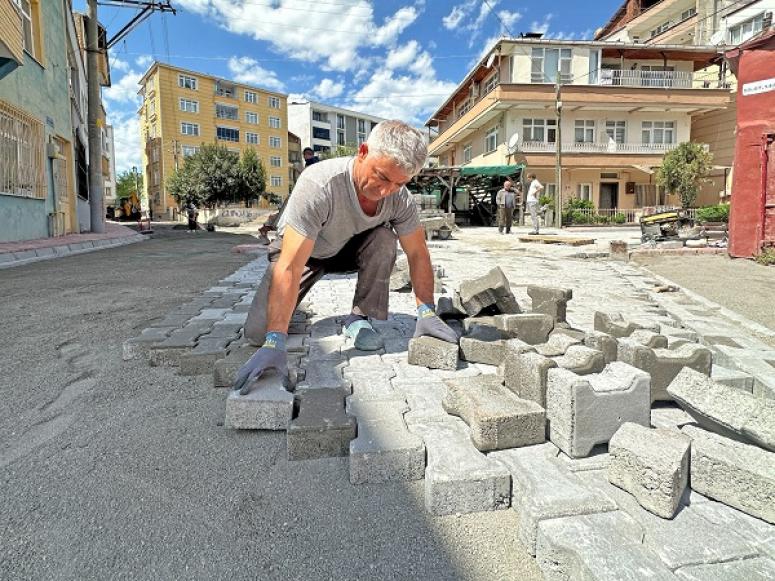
577, 204
546, 201
601, 219
619, 218
766, 257
717, 213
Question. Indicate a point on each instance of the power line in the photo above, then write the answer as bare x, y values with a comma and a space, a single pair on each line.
498, 16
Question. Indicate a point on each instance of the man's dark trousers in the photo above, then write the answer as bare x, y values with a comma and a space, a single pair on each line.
372, 254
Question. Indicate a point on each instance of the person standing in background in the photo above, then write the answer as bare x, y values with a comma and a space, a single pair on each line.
504, 199
531, 202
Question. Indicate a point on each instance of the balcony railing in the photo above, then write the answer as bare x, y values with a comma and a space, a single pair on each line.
636, 78
645, 148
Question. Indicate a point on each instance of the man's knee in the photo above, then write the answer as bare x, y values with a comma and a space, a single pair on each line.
386, 241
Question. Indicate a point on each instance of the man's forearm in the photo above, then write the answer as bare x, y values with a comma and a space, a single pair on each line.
421, 275
283, 294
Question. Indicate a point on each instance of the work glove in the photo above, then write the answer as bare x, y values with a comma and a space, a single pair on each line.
429, 324
272, 355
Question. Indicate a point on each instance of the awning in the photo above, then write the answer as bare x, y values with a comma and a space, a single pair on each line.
8, 62
492, 170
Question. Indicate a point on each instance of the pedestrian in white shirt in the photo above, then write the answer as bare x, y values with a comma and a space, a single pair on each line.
531, 201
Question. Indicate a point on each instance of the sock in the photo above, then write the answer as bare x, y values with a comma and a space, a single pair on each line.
352, 317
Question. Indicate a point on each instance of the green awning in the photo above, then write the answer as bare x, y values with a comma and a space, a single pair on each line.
492, 170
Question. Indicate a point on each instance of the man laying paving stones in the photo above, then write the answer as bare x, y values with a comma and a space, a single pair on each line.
344, 216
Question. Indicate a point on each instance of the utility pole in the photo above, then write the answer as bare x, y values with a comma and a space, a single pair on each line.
558, 155
95, 123
96, 186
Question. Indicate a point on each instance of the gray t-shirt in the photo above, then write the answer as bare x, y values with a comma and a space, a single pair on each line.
324, 207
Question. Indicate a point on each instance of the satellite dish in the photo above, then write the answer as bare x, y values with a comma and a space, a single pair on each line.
513, 143
490, 60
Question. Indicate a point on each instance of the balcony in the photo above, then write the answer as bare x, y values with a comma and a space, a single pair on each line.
639, 78
612, 148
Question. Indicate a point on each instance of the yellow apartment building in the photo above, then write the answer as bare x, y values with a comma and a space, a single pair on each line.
182, 109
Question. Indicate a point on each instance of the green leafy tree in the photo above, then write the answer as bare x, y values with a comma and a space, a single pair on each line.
252, 176
209, 177
181, 184
339, 151
684, 170
125, 184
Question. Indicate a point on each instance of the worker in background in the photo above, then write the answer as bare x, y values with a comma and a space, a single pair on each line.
531, 202
346, 215
309, 156
505, 200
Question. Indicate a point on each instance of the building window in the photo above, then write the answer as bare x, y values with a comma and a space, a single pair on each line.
226, 112
361, 131
227, 134
189, 106
745, 30
155, 155
540, 130
491, 83
275, 142
320, 133
467, 149
658, 132
491, 140
276, 161
340, 122
550, 189
30, 13
584, 191
252, 138
584, 131
274, 122
686, 14
251, 118
361, 139
250, 97
340, 138
276, 181
274, 102
660, 29
189, 129
616, 130
156, 177
189, 150
186, 82
545, 62
319, 116
21, 154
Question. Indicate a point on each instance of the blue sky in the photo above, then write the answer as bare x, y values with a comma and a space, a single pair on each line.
394, 58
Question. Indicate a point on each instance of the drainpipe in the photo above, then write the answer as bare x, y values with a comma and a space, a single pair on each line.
764, 159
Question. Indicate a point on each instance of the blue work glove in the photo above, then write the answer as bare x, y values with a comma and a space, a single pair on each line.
272, 355
429, 324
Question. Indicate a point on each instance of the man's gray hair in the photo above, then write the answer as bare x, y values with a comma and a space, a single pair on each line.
400, 142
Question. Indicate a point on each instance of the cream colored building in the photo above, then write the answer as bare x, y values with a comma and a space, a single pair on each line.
183, 109
623, 107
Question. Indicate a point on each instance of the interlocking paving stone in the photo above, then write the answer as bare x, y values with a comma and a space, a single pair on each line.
726, 410
325, 348
687, 539
215, 314
615, 325
139, 346
737, 474
433, 353
583, 411
497, 418
172, 320
424, 398
370, 387
600, 547
478, 351
557, 344
758, 533
760, 568
268, 406
225, 370
582, 360
532, 328
649, 339
323, 374
458, 477
201, 359
169, 351
321, 429
652, 465
732, 378
603, 342
669, 416
543, 488
384, 450
550, 301
491, 290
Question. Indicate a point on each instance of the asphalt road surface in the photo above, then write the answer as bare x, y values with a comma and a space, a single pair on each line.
118, 470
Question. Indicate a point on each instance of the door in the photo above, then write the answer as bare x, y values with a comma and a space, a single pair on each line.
609, 196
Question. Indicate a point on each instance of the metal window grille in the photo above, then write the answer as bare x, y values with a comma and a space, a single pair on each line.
21, 154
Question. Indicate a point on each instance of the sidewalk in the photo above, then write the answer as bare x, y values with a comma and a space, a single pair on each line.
26, 251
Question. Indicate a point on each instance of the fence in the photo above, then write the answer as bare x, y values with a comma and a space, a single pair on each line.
22, 156
606, 216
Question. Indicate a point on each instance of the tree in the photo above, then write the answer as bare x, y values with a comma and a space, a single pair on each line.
210, 176
125, 184
684, 170
339, 151
252, 176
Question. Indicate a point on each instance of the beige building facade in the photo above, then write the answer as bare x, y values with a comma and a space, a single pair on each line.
182, 109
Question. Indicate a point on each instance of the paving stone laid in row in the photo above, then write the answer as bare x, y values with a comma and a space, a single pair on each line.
321, 429
268, 406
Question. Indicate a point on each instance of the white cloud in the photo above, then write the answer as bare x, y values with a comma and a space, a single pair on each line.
509, 18
484, 11
328, 89
401, 57
247, 70
310, 32
126, 141
116, 64
144, 61
125, 90
452, 20
541, 27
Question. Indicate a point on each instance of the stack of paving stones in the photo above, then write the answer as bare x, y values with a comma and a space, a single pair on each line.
621, 442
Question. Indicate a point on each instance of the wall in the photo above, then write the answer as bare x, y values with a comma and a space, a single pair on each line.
41, 90
717, 129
